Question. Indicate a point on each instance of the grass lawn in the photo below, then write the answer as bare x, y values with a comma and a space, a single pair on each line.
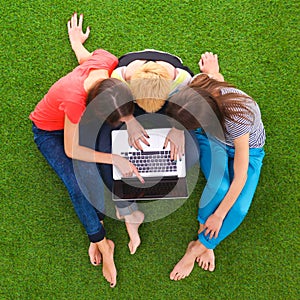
43, 246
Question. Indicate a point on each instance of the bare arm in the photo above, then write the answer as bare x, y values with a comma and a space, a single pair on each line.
74, 150
240, 166
77, 38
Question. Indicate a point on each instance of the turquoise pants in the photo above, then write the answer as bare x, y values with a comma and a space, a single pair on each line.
216, 163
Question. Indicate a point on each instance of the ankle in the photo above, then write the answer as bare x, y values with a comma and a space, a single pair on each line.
196, 247
104, 246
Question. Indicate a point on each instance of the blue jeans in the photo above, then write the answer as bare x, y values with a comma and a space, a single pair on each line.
216, 162
84, 185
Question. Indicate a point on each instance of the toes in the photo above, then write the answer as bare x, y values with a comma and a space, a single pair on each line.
113, 283
133, 247
211, 267
200, 264
172, 275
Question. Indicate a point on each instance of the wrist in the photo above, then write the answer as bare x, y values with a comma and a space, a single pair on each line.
220, 215
75, 44
216, 75
127, 119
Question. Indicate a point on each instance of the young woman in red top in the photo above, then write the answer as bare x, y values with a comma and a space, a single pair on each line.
56, 133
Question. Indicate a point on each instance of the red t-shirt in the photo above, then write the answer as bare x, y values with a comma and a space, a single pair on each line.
67, 96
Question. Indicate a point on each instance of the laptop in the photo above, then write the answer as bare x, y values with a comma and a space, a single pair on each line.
164, 179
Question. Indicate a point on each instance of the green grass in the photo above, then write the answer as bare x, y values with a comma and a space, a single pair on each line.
43, 247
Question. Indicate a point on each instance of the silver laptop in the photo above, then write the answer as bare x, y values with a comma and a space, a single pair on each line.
164, 179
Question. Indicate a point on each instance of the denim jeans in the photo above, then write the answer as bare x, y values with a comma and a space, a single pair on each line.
84, 186
216, 163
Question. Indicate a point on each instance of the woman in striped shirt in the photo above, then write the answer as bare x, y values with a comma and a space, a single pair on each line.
231, 137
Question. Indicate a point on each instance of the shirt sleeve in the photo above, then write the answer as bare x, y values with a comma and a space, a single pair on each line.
242, 121
101, 59
182, 79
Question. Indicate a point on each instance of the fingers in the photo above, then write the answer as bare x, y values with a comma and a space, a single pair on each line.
211, 232
166, 143
74, 20
144, 140
173, 150
73, 23
137, 145
200, 64
145, 133
136, 172
87, 33
80, 21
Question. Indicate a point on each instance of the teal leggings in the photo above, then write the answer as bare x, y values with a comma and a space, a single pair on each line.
216, 162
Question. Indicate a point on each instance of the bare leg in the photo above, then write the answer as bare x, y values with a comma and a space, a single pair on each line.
185, 266
206, 261
133, 222
106, 248
94, 253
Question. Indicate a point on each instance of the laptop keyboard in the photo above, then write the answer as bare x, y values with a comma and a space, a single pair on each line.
151, 161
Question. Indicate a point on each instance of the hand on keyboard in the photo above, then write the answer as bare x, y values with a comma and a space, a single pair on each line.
136, 133
126, 168
176, 139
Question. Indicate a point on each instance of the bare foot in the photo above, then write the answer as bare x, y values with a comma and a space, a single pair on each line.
206, 261
133, 223
94, 254
106, 248
185, 266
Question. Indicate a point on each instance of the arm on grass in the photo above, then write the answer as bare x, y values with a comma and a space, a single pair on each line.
77, 38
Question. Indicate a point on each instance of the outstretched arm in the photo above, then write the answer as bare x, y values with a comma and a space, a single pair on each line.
77, 38
209, 65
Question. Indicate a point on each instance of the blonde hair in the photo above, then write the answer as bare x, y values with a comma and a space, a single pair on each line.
151, 85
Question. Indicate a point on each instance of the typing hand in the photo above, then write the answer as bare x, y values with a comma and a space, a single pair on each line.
126, 168
76, 35
176, 139
136, 133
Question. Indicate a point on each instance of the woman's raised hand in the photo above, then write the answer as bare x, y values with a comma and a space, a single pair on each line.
76, 35
126, 168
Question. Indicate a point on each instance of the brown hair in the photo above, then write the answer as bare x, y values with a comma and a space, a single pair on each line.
194, 108
150, 85
230, 104
110, 100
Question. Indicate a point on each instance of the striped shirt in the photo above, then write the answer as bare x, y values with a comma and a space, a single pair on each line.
250, 122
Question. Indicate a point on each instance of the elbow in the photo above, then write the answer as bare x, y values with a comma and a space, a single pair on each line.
68, 152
